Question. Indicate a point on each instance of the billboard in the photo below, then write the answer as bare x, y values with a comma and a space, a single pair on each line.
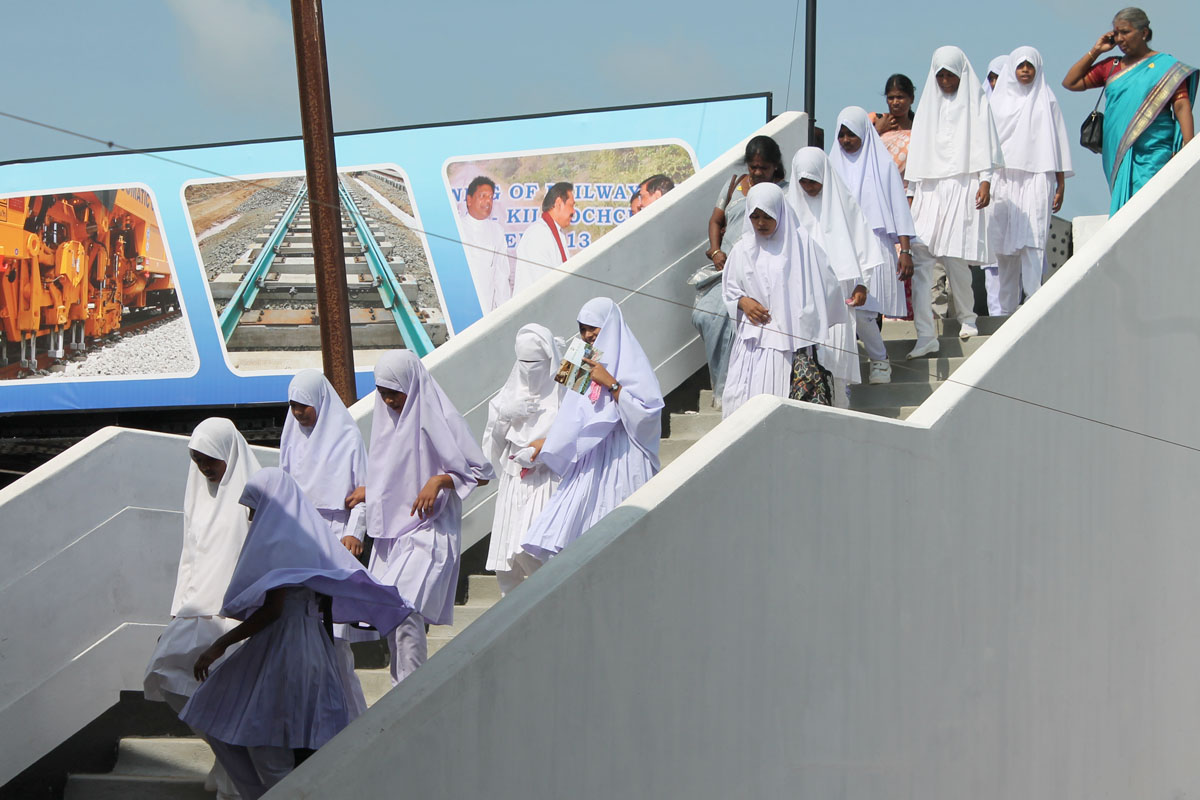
185, 277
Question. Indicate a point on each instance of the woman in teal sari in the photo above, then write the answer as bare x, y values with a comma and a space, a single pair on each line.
1148, 104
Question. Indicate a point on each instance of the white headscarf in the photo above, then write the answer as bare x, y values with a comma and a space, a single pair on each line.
1028, 119
582, 424
952, 135
996, 66
289, 545
428, 437
871, 177
834, 219
532, 377
214, 524
786, 272
328, 460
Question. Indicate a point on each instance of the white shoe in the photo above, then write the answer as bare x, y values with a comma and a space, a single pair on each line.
881, 372
967, 331
924, 348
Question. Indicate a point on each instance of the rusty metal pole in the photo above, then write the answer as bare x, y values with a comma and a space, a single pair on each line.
325, 211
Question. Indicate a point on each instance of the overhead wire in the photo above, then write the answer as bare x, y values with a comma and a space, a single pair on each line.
599, 281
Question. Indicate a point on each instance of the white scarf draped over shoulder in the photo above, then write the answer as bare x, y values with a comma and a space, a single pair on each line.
786, 272
427, 437
952, 134
532, 377
834, 219
1028, 119
871, 178
289, 545
214, 523
582, 424
328, 460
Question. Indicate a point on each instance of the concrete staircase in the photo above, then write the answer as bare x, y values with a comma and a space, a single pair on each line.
173, 768
914, 381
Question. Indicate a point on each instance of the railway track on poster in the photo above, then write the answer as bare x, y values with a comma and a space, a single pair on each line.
267, 299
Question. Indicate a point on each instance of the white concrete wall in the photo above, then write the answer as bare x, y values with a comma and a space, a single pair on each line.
994, 599
92, 538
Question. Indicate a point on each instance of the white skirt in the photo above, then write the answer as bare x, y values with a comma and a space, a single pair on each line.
518, 502
423, 563
281, 688
886, 288
185, 638
755, 370
594, 484
1020, 210
947, 221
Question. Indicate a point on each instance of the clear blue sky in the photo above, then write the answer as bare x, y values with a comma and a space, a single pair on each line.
151, 73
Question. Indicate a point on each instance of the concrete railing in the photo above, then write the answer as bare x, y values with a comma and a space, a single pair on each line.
92, 538
993, 599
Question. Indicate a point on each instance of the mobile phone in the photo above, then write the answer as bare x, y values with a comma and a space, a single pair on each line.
1110, 38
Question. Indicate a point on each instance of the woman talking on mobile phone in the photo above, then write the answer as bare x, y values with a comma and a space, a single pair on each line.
1148, 104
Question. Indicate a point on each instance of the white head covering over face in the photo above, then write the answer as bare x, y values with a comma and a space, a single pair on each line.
408, 447
871, 177
532, 377
952, 134
328, 460
834, 219
582, 424
1028, 119
289, 545
214, 524
786, 272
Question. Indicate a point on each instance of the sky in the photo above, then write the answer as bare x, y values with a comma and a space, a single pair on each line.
161, 73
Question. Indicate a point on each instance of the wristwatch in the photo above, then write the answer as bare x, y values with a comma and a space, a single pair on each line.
613, 389
906, 252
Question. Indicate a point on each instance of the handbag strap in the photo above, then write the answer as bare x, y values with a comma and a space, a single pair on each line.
733, 182
1104, 88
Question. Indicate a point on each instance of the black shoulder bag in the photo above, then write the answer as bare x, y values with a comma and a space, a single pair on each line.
1091, 133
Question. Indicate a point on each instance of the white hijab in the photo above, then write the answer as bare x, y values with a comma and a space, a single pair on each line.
328, 460
872, 178
289, 545
785, 272
834, 219
428, 437
952, 135
1028, 119
214, 524
532, 376
582, 424
996, 65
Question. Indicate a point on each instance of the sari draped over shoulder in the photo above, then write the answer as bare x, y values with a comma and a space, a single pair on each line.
1140, 131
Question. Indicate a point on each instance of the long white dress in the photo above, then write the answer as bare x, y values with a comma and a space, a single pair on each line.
420, 557
604, 448
214, 527
329, 461
787, 273
521, 413
487, 257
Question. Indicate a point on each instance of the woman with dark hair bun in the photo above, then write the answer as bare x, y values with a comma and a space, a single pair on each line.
1147, 105
764, 163
895, 127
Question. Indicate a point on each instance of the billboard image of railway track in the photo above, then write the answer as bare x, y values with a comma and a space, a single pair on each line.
87, 289
255, 243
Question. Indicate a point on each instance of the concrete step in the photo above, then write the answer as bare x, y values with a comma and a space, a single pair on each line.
891, 412
919, 370
375, 683
691, 426
671, 449
134, 787
176, 757
891, 394
948, 347
907, 329
483, 589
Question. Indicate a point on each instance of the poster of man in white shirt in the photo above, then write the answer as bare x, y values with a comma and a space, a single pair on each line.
543, 245
485, 246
